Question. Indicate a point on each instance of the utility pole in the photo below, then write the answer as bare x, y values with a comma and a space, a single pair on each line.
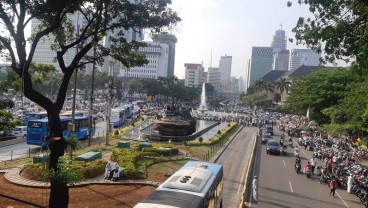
91, 99
110, 96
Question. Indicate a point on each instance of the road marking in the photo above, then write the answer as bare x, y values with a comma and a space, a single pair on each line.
241, 179
291, 187
346, 205
284, 162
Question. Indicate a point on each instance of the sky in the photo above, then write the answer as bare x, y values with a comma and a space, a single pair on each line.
230, 27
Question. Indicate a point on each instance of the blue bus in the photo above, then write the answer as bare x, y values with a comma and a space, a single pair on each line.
120, 114
197, 184
43, 114
37, 129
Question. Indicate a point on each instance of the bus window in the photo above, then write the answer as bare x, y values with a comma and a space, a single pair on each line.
35, 124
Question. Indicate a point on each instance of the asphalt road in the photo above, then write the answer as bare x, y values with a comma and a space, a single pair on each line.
281, 186
235, 161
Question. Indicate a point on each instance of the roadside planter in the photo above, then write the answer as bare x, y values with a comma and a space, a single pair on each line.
167, 151
89, 156
144, 144
39, 159
124, 144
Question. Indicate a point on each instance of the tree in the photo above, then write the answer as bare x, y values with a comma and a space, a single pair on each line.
101, 17
318, 91
283, 85
263, 86
338, 28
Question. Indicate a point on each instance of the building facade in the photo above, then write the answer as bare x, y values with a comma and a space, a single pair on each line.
261, 63
225, 70
214, 78
281, 60
279, 41
193, 75
170, 40
299, 57
157, 56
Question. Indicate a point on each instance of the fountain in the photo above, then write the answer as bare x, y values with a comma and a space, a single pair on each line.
203, 106
177, 122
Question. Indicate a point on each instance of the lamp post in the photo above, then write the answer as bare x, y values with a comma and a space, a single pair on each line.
110, 96
91, 100
72, 126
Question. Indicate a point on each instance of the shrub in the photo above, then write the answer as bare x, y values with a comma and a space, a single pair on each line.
132, 124
218, 132
200, 139
116, 132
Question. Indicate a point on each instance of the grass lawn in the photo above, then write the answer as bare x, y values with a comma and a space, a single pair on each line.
159, 172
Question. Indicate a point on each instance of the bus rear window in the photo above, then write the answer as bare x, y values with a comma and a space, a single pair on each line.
34, 124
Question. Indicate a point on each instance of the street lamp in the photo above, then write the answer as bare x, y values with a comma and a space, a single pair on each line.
91, 99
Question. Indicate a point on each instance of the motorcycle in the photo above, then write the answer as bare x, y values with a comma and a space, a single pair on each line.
298, 166
308, 173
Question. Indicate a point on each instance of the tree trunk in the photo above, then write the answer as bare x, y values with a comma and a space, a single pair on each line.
59, 194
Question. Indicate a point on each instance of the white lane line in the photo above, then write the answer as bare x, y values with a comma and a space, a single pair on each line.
242, 177
291, 187
284, 162
346, 205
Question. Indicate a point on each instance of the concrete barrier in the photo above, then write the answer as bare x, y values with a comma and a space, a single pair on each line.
248, 176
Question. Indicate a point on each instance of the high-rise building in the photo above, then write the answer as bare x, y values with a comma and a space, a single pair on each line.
43, 53
299, 57
170, 40
241, 85
279, 41
225, 70
261, 63
193, 75
214, 78
157, 56
281, 60
235, 85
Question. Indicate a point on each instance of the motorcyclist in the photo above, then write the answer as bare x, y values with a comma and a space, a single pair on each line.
296, 151
297, 161
307, 166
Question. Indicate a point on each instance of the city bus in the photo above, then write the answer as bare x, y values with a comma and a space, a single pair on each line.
43, 114
37, 129
120, 114
197, 184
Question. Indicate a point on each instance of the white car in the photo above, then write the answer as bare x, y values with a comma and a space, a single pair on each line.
19, 131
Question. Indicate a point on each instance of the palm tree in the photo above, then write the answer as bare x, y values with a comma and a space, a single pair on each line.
262, 85
283, 85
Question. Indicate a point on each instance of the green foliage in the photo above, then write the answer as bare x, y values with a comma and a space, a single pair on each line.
318, 91
200, 139
218, 132
157, 151
87, 170
256, 99
116, 133
6, 117
337, 28
65, 173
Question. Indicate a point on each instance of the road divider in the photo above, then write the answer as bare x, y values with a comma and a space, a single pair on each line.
247, 180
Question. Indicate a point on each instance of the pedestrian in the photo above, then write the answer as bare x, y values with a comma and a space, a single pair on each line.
333, 186
350, 183
255, 188
107, 170
313, 164
115, 171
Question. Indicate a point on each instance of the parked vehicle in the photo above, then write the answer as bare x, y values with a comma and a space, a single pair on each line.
19, 131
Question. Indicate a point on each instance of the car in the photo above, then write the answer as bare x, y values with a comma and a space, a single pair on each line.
19, 131
269, 129
273, 147
265, 137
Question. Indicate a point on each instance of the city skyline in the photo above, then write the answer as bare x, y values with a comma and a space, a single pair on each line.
207, 25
